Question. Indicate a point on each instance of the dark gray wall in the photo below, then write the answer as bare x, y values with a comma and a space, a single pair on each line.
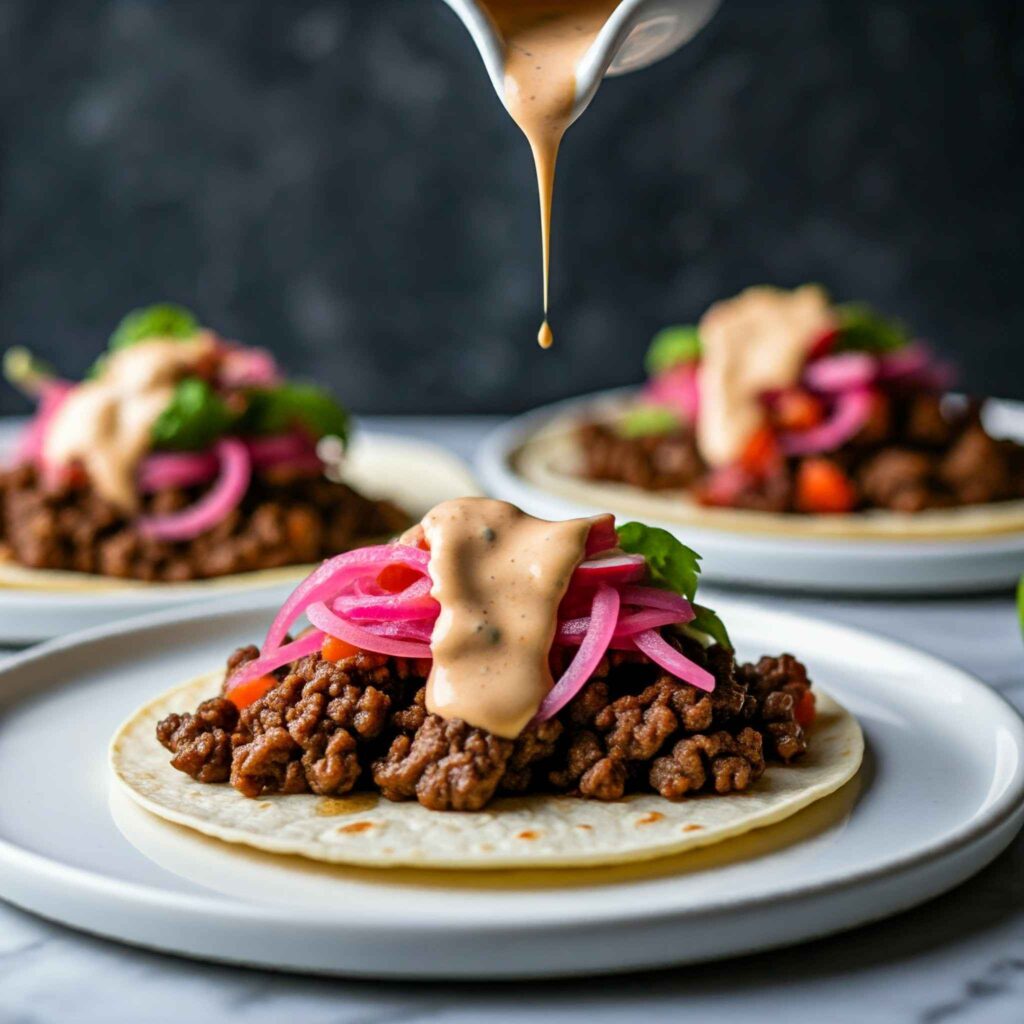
337, 180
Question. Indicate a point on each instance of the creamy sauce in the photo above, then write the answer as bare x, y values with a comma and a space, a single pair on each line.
105, 424
753, 343
544, 41
499, 576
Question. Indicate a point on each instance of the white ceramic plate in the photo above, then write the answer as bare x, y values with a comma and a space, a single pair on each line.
769, 560
412, 473
940, 794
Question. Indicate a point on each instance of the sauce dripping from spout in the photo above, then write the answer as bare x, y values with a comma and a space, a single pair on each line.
544, 41
499, 576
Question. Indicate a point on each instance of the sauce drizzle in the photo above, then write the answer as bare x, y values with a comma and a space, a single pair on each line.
499, 576
544, 41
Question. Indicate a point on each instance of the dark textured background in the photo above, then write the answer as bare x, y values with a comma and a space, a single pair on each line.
338, 181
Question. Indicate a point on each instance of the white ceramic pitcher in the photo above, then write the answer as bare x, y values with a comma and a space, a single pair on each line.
638, 33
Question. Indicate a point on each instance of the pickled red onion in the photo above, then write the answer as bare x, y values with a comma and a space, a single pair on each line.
604, 614
678, 388
326, 581
278, 448
842, 372
602, 536
267, 663
221, 500
664, 654
29, 448
164, 470
323, 618
617, 568
850, 412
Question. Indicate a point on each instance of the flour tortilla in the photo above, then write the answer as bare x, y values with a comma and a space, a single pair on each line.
523, 832
551, 460
412, 474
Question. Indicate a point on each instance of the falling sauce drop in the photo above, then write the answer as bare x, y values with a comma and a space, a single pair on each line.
544, 336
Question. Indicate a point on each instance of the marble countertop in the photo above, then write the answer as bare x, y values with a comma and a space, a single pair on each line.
959, 958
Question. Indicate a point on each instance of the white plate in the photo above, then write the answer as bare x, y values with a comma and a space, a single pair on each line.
843, 564
412, 473
941, 793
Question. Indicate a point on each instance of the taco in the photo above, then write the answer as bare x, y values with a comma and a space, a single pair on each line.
182, 456
492, 690
782, 411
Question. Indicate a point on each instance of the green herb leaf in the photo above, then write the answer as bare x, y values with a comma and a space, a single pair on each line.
672, 346
670, 563
163, 320
196, 417
861, 329
295, 405
647, 420
708, 623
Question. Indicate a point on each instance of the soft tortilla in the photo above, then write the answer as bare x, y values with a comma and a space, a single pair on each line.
413, 474
367, 830
551, 460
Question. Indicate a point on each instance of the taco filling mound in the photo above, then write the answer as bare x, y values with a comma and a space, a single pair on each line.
488, 654
780, 401
182, 456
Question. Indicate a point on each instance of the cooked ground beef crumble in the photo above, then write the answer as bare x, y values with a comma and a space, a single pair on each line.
360, 723
913, 454
283, 520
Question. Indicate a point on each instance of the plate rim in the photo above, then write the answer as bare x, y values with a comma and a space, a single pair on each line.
1000, 814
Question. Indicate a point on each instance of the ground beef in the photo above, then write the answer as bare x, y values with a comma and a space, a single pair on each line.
281, 521
914, 453
361, 723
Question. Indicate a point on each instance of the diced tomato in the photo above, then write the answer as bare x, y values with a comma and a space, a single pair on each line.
821, 486
824, 343
602, 534
761, 454
395, 578
244, 695
797, 409
333, 649
805, 710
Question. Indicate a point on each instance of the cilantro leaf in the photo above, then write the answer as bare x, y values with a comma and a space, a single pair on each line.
163, 320
672, 346
708, 623
670, 563
861, 329
283, 408
196, 417
646, 421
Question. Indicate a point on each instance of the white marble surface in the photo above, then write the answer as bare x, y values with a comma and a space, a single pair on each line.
959, 958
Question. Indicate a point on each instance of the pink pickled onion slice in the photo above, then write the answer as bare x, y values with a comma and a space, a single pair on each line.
724, 485
664, 654
678, 389
603, 616
222, 499
164, 470
849, 414
420, 631
621, 568
278, 448
572, 631
906, 362
323, 618
326, 580
247, 367
414, 602
29, 448
843, 372
654, 597
602, 536
265, 664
